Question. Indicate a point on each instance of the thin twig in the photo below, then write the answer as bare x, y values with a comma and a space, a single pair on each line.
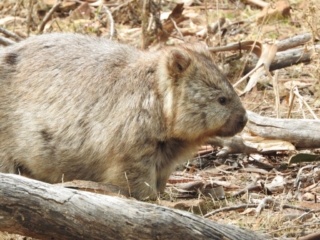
276, 92
260, 206
296, 92
176, 27
291, 99
247, 75
10, 34
298, 178
129, 189
219, 27
6, 41
29, 16
263, 204
275, 89
47, 17
226, 209
113, 32
298, 208
144, 26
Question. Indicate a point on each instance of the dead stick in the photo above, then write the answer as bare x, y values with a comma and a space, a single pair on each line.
49, 14
226, 209
176, 27
144, 25
296, 92
10, 34
29, 16
6, 41
113, 32
276, 90
248, 75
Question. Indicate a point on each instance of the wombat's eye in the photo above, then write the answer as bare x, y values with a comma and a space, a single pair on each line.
222, 100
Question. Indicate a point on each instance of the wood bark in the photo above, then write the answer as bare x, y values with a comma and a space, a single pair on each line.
303, 133
32, 208
287, 58
294, 41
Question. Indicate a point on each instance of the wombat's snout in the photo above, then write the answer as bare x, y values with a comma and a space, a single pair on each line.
241, 123
234, 125
244, 120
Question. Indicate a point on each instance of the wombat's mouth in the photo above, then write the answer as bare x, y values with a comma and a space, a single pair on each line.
234, 125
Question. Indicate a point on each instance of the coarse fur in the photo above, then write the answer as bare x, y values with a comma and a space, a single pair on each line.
79, 107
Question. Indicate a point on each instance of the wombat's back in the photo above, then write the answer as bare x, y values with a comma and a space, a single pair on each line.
68, 102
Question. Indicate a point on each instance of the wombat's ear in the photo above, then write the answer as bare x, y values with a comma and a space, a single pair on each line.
178, 62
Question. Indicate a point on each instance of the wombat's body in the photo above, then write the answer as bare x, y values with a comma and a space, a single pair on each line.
77, 107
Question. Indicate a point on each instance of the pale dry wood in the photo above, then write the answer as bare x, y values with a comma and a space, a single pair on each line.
293, 41
11, 34
32, 208
292, 57
6, 41
259, 3
288, 58
267, 56
303, 133
252, 46
113, 32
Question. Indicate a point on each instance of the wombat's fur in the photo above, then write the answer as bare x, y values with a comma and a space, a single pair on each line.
79, 107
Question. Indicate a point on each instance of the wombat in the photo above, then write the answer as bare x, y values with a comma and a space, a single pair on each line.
87, 108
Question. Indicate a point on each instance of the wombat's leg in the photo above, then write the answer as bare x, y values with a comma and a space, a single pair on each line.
163, 175
137, 177
145, 190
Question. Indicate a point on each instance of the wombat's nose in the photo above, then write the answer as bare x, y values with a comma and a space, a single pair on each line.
243, 120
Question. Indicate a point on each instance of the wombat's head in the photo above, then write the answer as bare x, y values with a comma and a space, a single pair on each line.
199, 102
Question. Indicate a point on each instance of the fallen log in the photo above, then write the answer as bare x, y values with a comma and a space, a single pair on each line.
33, 208
303, 133
287, 58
